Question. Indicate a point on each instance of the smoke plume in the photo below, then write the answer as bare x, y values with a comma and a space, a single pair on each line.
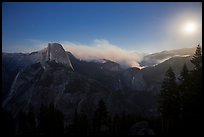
103, 49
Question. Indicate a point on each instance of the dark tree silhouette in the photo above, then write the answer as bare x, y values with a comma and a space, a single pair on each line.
182, 105
79, 124
115, 128
169, 101
184, 88
7, 123
42, 120
75, 127
101, 121
193, 96
83, 123
196, 73
31, 123
51, 121
169, 95
197, 58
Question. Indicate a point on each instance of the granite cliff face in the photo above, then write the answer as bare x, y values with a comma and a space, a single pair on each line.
13, 63
53, 82
55, 52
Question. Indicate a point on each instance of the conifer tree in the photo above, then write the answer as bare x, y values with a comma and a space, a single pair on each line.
195, 95
83, 123
169, 102
197, 58
193, 106
169, 95
101, 119
184, 88
31, 123
51, 121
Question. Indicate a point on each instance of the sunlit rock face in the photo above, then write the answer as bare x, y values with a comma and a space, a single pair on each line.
55, 52
13, 63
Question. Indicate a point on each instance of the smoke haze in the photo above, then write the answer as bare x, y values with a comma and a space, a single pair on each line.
103, 49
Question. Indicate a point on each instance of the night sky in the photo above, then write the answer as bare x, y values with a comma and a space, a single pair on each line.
137, 27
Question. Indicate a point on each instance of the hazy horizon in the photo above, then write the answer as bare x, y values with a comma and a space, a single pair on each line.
44, 45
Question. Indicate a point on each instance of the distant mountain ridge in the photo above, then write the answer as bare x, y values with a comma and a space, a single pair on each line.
156, 58
53, 75
13, 62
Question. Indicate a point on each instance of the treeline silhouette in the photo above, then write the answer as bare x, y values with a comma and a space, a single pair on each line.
181, 101
50, 121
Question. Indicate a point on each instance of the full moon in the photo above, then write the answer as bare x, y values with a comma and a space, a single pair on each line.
189, 27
